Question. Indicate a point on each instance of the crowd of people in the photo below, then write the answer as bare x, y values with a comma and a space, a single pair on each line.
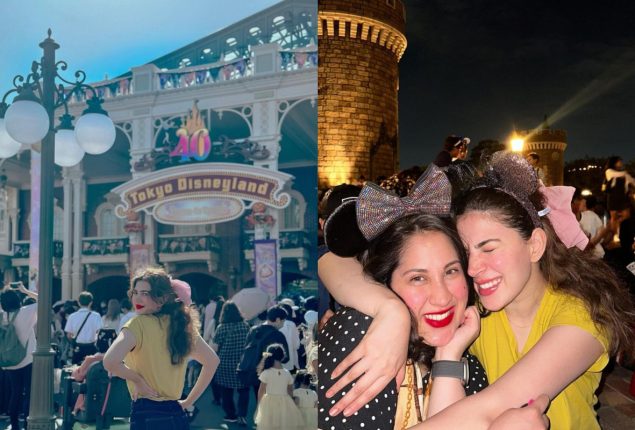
501, 298
169, 350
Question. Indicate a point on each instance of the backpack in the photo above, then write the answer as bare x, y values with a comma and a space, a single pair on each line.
252, 354
12, 351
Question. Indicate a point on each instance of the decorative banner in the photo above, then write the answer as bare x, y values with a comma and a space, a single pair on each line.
180, 79
140, 258
206, 192
266, 264
34, 247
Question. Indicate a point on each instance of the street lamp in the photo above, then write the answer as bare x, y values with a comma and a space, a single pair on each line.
28, 120
517, 144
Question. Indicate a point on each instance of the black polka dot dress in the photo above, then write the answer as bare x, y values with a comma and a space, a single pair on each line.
339, 336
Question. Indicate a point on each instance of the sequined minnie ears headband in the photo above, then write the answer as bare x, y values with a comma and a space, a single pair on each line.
512, 174
378, 208
360, 219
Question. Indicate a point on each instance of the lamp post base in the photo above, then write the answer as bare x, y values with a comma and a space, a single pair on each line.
41, 416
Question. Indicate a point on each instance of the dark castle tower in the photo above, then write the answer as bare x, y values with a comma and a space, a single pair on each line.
550, 145
360, 44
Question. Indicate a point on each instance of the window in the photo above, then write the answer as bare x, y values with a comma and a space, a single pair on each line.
292, 217
58, 223
109, 224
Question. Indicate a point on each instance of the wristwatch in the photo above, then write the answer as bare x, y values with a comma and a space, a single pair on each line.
451, 369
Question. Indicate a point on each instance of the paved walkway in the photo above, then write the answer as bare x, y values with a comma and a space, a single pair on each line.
617, 405
210, 417
616, 411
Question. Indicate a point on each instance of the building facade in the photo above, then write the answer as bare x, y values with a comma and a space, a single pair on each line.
216, 148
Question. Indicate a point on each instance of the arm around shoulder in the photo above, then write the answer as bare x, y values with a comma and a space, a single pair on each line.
345, 280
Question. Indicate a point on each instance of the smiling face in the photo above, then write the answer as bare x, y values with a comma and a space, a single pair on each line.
142, 302
500, 260
431, 282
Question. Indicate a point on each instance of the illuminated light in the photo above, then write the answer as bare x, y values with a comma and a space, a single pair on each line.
207, 51
586, 192
517, 144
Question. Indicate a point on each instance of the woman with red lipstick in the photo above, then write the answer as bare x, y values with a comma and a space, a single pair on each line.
152, 351
556, 312
421, 258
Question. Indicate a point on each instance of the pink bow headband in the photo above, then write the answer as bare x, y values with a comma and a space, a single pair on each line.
182, 290
561, 216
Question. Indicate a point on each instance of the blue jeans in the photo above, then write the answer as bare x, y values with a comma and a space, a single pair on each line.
152, 415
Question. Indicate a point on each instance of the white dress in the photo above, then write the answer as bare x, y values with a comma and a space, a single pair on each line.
276, 410
307, 400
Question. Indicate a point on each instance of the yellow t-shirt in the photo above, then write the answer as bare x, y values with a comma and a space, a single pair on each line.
151, 358
497, 351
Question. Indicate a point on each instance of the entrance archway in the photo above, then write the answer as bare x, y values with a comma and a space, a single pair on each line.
108, 287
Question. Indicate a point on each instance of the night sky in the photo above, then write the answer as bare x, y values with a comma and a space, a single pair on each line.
479, 68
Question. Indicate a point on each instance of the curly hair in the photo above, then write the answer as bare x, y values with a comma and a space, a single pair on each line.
183, 319
382, 258
567, 270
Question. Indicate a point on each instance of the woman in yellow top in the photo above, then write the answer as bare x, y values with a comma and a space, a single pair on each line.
556, 312
152, 350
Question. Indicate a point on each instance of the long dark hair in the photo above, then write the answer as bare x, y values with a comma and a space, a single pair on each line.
183, 319
382, 258
230, 313
568, 270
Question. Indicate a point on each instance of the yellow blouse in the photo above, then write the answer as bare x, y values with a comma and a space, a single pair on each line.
496, 349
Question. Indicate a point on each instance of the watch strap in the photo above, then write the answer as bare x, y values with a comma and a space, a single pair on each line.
451, 369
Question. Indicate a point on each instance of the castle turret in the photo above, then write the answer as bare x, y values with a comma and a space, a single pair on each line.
550, 145
360, 44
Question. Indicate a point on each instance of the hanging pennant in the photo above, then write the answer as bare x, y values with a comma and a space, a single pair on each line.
214, 73
227, 71
200, 76
300, 59
240, 66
